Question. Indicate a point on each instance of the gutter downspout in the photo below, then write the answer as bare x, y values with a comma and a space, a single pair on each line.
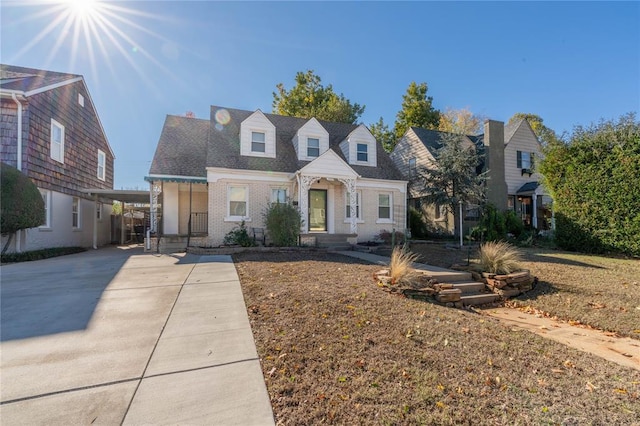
18, 160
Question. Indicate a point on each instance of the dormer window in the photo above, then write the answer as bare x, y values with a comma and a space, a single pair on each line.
313, 147
258, 143
362, 153
258, 136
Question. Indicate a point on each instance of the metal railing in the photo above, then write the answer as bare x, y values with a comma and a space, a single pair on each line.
198, 223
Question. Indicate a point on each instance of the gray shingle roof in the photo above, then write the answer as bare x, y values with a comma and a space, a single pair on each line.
510, 129
220, 147
182, 148
528, 187
27, 79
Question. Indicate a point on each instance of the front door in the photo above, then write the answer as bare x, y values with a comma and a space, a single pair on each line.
317, 210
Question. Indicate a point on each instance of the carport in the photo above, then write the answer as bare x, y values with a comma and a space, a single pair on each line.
122, 195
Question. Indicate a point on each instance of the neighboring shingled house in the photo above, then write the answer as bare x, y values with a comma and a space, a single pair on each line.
50, 130
508, 155
210, 175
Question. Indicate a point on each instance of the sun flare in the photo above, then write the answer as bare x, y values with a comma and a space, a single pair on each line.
82, 9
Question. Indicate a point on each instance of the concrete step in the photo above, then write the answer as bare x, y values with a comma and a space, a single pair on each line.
469, 287
479, 299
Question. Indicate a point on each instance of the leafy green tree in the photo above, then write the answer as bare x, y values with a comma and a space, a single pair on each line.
593, 179
383, 134
309, 98
544, 133
453, 178
22, 206
417, 110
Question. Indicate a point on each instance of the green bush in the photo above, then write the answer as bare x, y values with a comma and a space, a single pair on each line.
492, 225
283, 222
40, 254
417, 224
239, 236
593, 179
514, 223
21, 202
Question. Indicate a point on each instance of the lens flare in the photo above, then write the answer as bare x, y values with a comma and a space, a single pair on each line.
222, 117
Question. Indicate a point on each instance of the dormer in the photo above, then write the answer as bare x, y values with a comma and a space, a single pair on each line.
360, 147
258, 136
311, 140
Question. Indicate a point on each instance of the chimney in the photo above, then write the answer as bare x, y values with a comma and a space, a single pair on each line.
494, 160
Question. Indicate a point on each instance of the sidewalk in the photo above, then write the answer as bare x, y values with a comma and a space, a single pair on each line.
623, 351
120, 337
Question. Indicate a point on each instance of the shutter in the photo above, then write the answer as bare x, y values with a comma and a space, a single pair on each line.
519, 161
533, 159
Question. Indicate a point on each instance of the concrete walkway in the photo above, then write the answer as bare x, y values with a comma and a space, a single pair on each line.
623, 351
120, 337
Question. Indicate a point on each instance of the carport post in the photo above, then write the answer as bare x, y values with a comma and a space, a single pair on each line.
95, 222
122, 224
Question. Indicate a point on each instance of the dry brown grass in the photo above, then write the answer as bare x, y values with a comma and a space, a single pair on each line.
336, 349
400, 266
600, 291
498, 257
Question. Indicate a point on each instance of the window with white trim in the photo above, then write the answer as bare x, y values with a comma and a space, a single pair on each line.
81, 99
56, 147
238, 201
313, 147
524, 159
348, 205
278, 195
46, 197
384, 206
99, 211
75, 212
362, 152
258, 143
412, 167
102, 164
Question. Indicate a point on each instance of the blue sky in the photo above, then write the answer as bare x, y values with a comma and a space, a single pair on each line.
569, 62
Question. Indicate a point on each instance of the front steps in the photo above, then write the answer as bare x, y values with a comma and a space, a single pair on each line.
475, 293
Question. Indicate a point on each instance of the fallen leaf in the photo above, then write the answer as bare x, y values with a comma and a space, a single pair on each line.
591, 387
569, 364
558, 371
273, 370
627, 355
440, 405
622, 391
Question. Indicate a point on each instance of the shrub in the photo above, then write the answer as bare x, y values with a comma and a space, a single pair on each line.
417, 224
21, 204
400, 269
593, 179
492, 225
283, 222
40, 254
513, 223
388, 237
239, 236
498, 257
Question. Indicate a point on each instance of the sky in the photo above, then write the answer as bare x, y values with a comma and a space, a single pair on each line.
572, 63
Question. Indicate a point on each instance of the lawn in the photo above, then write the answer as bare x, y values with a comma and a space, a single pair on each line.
336, 349
599, 291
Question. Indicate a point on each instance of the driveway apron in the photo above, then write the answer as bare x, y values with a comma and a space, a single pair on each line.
116, 336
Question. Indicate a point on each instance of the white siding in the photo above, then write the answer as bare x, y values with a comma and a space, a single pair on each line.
360, 135
524, 140
60, 233
311, 129
329, 164
258, 122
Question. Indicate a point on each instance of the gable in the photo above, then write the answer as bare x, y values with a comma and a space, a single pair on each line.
312, 129
360, 144
256, 131
329, 164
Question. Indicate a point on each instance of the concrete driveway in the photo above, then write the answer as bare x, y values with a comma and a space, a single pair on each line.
116, 336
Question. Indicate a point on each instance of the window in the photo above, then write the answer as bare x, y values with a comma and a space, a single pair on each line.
75, 212
257, 142
46, 197
81, 100
412, 166
348, 203
384, 206
278, 195
57, 141
99, 211
361, 152
238, 201
102, 161
313, 147
525, 159
438, 213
